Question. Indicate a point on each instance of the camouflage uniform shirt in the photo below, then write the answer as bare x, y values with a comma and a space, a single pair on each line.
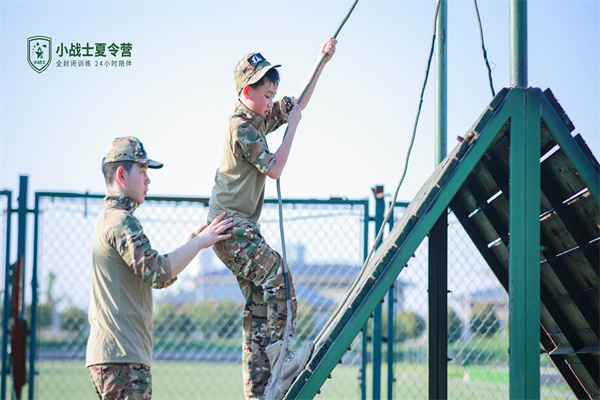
240, 180
125, 269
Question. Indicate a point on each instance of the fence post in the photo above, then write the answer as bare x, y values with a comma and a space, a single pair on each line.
390, 344
6, 297
377, 315
438, 236
22, 244
364, 351
34, 298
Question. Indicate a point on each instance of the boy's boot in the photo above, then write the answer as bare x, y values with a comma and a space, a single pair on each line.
293, 363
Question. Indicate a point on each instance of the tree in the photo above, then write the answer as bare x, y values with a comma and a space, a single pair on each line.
484, 320
46, 310
408, 325
454, 326
74, 319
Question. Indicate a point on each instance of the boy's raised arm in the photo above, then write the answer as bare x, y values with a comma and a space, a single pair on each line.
329, 48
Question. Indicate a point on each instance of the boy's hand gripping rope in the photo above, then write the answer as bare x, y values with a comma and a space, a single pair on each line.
271, 391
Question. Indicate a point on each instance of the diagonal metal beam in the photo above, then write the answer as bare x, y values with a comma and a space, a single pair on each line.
563, 137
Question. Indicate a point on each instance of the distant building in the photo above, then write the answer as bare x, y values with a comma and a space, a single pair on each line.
320, 286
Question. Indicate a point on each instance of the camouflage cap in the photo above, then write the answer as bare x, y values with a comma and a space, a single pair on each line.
129, 148
251, 68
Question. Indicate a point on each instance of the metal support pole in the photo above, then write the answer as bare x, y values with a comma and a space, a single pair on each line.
34, 298
377, 314
438, 236
390, 345
22, 221
518, 43
22, 241
6, 298
441, 84
524, 246
363, 369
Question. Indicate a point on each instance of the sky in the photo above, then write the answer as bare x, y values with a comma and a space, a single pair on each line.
177, 92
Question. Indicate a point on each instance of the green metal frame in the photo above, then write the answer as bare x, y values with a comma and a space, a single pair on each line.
523, 109
6, 303
437, 315
524, 261
377, 332
421, 228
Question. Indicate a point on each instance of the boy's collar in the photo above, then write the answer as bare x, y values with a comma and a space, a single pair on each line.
115, 198
252, 117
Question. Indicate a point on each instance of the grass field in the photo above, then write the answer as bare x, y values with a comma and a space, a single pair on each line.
179, 380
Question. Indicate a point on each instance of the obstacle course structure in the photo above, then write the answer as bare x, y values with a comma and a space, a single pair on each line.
474, 180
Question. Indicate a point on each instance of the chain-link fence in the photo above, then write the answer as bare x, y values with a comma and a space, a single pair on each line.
478, 365
197, 321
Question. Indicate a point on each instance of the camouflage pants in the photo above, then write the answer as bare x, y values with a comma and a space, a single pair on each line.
259, 273
122, 381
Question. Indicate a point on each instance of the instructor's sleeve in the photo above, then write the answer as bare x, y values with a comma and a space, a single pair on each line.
134, 247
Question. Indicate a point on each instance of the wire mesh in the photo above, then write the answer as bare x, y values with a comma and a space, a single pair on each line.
197, 321
478, 311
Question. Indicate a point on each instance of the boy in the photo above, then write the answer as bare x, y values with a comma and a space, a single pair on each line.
125, 269
239, 191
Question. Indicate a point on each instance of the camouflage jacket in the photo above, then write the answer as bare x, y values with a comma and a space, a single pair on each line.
125, 268
240, 180
123, 231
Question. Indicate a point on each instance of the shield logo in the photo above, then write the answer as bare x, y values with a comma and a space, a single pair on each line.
39, 52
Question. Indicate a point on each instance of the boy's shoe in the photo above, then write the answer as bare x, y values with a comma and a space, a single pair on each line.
293, 364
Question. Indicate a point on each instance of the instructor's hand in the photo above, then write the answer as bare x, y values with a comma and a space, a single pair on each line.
212, 233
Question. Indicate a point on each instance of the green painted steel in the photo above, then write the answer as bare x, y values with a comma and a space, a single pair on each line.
390, 345
21, 249
22, 218
524, 259
377, 332
437, 356
518, 43
441, 84
563, 137
6, 308
400, 245
364, 343
518, 113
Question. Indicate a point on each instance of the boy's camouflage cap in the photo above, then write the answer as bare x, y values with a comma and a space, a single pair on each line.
250, 69
129, 148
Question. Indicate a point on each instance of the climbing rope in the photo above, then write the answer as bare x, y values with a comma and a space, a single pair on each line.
271, 391
270, 394
487, 63
391, 210
412, 139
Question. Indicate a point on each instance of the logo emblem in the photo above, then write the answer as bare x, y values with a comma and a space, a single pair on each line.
39, 52
255, 59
